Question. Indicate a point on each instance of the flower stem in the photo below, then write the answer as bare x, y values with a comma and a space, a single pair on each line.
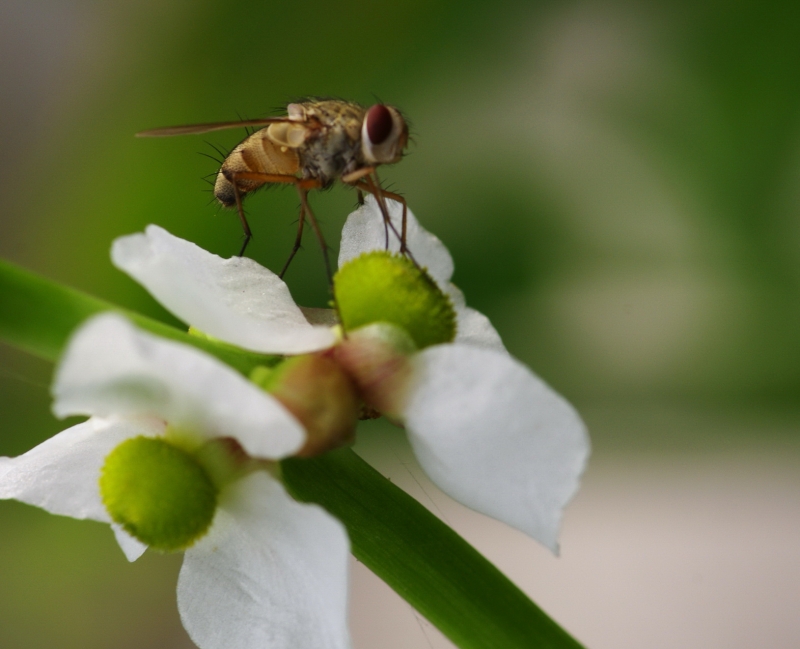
420, 557
38, 315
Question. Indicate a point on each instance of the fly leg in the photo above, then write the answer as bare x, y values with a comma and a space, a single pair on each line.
254, 180
245, 226
303, 186
355, 179
312, 220
297, 241
371, 187
317, 231
404, 228
375, 190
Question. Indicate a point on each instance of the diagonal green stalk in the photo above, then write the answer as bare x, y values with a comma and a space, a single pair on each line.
38, 315
419, 556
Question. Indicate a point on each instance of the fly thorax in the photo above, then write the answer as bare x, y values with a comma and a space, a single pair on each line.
329, 154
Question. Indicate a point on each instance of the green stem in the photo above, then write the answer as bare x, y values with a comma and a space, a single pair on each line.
38, 315
419, 556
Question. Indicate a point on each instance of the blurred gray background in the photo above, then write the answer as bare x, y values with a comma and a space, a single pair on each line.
619, 189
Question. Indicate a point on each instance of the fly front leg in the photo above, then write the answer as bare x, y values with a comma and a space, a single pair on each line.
372, 187
355, 179
354, 176
404, 228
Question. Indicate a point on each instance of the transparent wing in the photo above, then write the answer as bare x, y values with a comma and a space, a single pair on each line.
191, 129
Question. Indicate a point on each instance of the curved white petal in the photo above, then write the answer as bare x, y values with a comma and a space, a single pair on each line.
472, 327
270, 574
132, 548
61, 474
235, 300
365, 230
112, 368
495, 437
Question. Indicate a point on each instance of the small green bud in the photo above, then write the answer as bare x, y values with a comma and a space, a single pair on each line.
377, 358
158, 492
318, 392
384, 287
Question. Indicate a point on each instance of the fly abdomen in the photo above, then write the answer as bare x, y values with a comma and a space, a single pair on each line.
257, 154
223, 190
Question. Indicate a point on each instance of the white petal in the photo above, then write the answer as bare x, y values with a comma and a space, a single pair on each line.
472, 327
271, 574
131, 547
475, 329
495, 437
234, 300
365, 230
110, 367
61, 474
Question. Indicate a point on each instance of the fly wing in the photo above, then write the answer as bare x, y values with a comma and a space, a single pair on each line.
191, 129
291, 133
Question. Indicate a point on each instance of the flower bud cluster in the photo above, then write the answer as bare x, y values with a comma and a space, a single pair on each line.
164, 491
316, 390
389, 309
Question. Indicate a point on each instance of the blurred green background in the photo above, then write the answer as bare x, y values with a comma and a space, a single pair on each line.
619, 187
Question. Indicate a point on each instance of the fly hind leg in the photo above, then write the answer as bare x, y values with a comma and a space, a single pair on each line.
303, 185
245, 225
312, 220
253, 180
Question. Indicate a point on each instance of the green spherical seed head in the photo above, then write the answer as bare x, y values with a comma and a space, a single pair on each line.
384, 287
158, 493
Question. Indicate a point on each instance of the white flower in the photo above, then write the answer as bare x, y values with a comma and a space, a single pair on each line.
270, 573
484, 428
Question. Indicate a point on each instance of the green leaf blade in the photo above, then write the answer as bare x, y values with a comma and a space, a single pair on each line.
39, 315
421, 558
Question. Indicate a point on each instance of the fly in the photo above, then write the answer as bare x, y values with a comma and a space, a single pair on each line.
316, 143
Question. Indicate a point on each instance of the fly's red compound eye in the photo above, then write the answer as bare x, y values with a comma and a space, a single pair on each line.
383, 135
379, 123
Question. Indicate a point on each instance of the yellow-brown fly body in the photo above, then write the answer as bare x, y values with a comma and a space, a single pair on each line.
316, 143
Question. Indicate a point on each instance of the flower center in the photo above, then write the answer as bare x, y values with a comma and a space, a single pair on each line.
318, 392
384, 287
158, 493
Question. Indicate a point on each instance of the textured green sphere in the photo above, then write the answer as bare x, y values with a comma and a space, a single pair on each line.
384, 287
158, 493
